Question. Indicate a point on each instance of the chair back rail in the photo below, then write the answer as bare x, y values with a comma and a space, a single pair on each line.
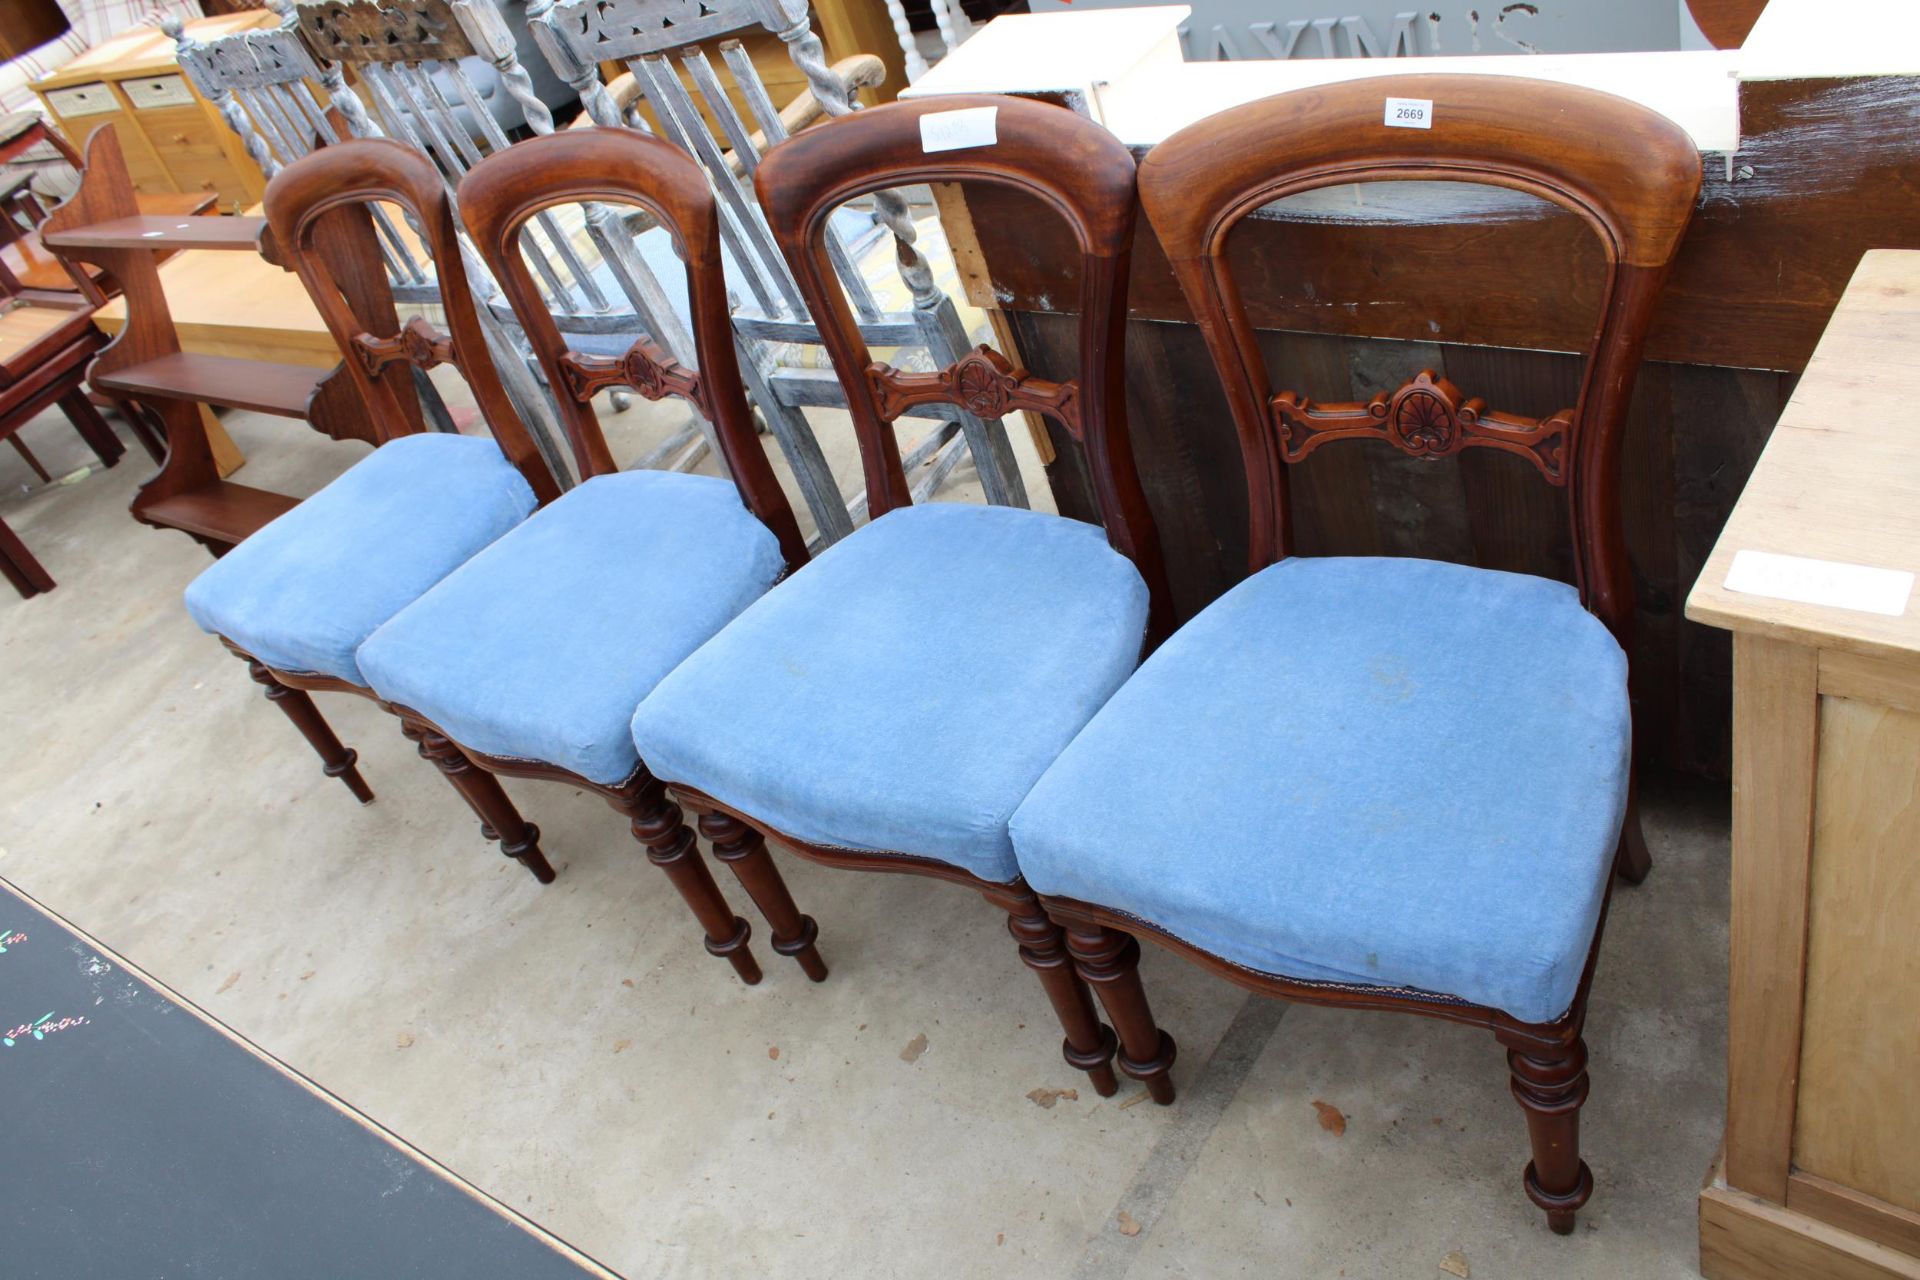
1630, 174
318, 209
1084, 174
622, 167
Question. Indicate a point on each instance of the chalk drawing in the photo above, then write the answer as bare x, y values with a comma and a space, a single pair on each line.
40, 1028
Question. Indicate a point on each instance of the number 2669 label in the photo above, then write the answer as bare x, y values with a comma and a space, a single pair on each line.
1410, 113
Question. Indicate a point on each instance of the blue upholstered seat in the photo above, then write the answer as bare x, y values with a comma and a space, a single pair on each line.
902, 693
303, 591
1379, 771
539, 647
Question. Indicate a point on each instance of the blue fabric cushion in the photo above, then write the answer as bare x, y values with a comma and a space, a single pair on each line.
1380, 771
303, 591
539, 647
901, 693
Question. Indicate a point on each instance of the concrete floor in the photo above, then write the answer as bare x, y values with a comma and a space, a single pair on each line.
575, 1052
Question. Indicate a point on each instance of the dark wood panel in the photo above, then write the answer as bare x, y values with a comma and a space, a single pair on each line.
1827, 169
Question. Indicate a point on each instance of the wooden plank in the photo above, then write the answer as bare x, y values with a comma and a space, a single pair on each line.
1883, 681
1662, 729
1721, 421
1775, 701
1420, 507
1333, 500
1854, 1211
264, 387
1744, 1238
153, 231
230, 304
1860, 1039
223, 511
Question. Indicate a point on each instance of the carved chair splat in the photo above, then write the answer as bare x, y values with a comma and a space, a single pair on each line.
1528, 869
454, 668
822, 684
649, 36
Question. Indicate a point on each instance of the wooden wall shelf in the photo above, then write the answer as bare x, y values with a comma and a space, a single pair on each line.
101, 225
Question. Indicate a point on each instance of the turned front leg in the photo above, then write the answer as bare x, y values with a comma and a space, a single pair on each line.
657, 824
745, 850
1109, 960
336, 760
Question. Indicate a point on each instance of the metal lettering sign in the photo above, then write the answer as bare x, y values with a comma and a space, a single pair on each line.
1247, 29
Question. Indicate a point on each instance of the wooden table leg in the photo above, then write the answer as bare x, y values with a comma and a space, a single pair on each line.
19, 567
226, 454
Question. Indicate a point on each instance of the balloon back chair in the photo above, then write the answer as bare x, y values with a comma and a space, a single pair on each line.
887, 709
1398, 783
532, 657
299, 595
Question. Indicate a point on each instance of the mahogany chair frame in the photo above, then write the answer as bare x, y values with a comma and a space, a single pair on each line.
1632, 176
320, 212
498, 198
1083, 173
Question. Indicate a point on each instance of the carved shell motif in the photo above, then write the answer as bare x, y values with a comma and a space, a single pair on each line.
1423, 418
983, 388
643, 373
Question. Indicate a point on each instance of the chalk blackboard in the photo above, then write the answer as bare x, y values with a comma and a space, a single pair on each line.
143, 1139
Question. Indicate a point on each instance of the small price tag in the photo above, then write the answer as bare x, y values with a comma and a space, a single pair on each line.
1824, 582
1410, 113
955, 130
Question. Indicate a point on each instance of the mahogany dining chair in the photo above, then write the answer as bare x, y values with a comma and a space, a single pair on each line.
532, 655
1387, 783
297, 597
887, 708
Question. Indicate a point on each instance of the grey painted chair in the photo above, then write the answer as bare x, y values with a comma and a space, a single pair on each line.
770, 315
263, 84
414, 60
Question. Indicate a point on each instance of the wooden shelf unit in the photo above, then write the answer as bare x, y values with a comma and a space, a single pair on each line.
102, 226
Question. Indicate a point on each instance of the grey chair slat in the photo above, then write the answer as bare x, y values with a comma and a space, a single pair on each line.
268, 124
721, 105
893, 329
680, 120
560, 246
701, 69
421, 83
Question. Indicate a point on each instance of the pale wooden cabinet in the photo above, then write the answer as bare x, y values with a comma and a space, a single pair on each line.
1820, 1174
173, 139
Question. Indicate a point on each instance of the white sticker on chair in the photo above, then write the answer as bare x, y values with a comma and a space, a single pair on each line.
1410, 113
1824, 582
955, 130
